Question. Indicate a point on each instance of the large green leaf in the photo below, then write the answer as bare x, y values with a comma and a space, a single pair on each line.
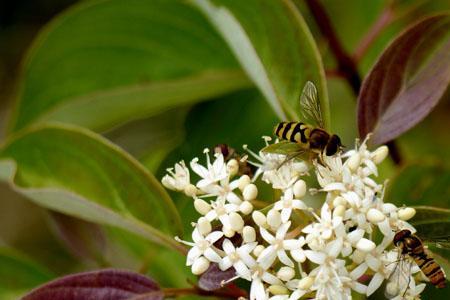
105, 62
273, 44
19, 274
77, 172
421, 184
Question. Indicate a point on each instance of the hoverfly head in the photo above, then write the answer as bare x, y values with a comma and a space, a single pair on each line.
333, 146
401, 236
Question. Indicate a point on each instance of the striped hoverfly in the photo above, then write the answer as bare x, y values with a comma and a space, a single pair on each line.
309, 136
412, 252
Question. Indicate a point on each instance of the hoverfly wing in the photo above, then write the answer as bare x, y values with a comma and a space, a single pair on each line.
442, 241
399, 279
284, 148
310, 105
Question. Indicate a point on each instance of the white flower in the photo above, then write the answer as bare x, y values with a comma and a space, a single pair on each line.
277, 246
239, 258
177, 180
352, 214
202, 246
382, 263
220, 210
265, 161
349, 239
223, 190
260, 275
213, 172
319, 232
287, 204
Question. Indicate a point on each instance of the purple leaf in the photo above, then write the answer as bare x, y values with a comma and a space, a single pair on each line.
110, 284
407, 81
212, 279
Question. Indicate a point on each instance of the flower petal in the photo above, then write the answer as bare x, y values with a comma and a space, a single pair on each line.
315, 257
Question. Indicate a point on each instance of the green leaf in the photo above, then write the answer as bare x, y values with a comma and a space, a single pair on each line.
19, 274
421, 184
138, 137
77, 172
273, 44
102, 63
426, 214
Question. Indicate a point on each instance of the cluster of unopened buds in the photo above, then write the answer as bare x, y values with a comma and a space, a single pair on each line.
321, 242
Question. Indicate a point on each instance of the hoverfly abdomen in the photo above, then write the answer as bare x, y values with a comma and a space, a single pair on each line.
296, 132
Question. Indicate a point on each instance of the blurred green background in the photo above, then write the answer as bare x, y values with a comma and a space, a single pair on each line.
183, 130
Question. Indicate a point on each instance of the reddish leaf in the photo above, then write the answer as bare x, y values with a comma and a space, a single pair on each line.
212, 279
407, 81
105, 284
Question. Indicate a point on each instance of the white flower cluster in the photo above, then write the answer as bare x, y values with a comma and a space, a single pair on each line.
290, 250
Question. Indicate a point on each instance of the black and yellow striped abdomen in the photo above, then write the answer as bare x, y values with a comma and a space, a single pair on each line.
429, 267
296, 132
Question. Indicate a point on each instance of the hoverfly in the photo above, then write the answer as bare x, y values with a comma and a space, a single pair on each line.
410, 245
299, 137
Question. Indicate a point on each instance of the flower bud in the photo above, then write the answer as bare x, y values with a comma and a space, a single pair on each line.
190, 190
232, 167
358, 256
249, 234
278, 290
305, 283
246, 207
406, 213
380, 154
375, 216
339, 201
286, 273
200, 265
236, 221
204, 226
274, 218
354, 161
299, 189
365, 245
244, 180
202, 206
250, 192
259, 218
228, 231
339, 211
389, 208
258, 249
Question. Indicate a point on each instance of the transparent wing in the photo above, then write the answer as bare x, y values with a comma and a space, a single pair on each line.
398, 282
442, 241
310, 105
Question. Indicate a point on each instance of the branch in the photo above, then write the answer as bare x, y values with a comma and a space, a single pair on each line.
346, 64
